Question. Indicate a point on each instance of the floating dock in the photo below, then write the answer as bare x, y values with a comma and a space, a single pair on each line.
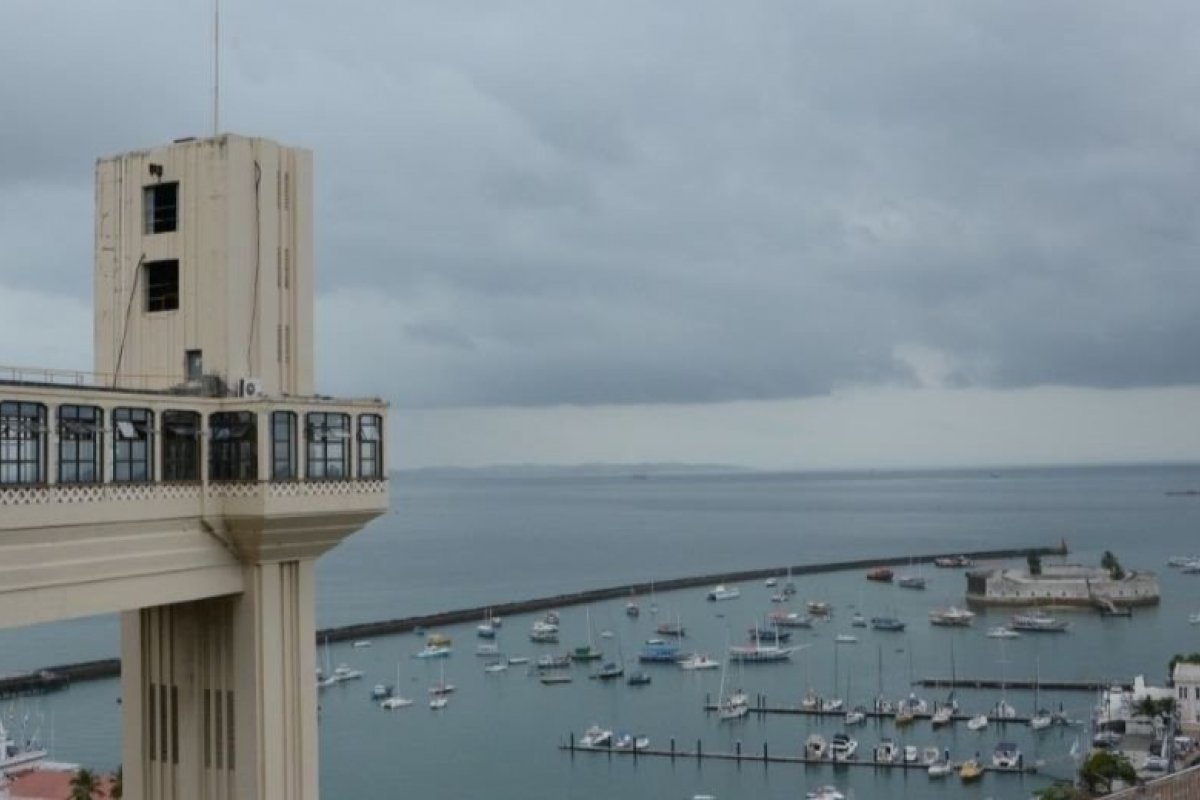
870, 714
765, 756
1040, 685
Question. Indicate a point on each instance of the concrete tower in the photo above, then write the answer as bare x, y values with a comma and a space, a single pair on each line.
193, 480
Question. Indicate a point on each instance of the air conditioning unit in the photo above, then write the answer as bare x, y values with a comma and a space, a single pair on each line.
253, 388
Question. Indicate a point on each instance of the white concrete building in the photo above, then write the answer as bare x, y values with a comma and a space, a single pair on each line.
193, 480
1061, 584
1186, 678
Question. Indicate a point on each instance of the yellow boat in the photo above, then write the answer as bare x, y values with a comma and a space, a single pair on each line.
970, 771
437, 640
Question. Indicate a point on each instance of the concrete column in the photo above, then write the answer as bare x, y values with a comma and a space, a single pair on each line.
219, 695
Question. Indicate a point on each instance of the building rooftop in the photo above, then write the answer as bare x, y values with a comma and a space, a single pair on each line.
1186, 673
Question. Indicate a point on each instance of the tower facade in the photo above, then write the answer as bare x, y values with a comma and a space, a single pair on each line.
204, 266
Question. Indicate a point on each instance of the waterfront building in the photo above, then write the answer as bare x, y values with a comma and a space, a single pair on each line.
1061, 584
191, 481
1186, 678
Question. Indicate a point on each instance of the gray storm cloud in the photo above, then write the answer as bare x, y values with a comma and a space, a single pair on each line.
548, 202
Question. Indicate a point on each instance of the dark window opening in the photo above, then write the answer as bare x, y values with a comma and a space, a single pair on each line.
22, 443
283, 446
193, 364
160, 204
181, 446
162, 285
133, 429
80, 429
370, 446
328, 446
233, 446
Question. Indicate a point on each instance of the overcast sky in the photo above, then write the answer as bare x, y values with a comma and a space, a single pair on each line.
769, 233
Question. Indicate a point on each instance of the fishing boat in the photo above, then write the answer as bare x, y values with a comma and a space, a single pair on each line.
699, 661
970, 771
609, 671
658, 651
675, 629
977, 722
952, 617
818, 608
815, 747
842, 747
14, 754
789, 619
1006, 756
433, 651
549, 661
825, 793
769, 634
723, 592
1038, 622
887, 624
595, 736
880, 574
638, 679
1001, 632
760, 653
886, 752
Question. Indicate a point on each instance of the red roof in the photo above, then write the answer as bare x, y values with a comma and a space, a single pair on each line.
42, 784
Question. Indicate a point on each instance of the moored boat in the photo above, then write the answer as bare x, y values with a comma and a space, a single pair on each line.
657, 651
911, 582
977, 722
825, 793
881, 574
760, 653
723, 592
699, 661
815, 747
970, 771
1038, 622
638, 678
842, 747
818, 608
1006, 756
887, 624
886, 752
595, 736
789, 619
951, 617
1001, 632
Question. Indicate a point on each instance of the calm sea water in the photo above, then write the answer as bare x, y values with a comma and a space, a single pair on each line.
458, 542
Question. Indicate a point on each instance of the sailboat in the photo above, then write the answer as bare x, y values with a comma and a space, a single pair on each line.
858, 714
587, 652
1041, 718
631, 608
789, 588
736, 704
395, 701
943, 714
441, 687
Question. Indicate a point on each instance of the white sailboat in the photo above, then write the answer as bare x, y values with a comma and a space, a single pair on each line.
734, 705
396, 700
1041, 718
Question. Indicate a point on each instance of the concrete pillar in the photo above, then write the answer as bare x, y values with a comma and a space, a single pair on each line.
220, 695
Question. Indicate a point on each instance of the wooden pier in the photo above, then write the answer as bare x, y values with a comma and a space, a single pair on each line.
765, 756
1044, 684
762, 708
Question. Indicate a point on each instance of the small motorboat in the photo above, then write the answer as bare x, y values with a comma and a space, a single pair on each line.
632, 609
362, 643
831, 705
856, 716
699, 661
887, 624
911, 754
723, 592
843, 747
771, 583
439, 702
886, 752
514, 660
940, 769
911, 582
555, 678
433, 651
845, 638
394, 702
789, 619
977, 722
638, 679
1038, 622
499, 666
379, 691
607, 634
596, 736
1194, 618
1002, 632
930, 755
952, 617
1006, 756
858, 620
825, 793
815, 747
627, 741
610, 670
970, 771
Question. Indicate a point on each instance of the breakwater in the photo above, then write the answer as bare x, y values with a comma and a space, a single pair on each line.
52, 678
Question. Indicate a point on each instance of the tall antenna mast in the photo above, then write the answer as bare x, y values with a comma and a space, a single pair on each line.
216, 109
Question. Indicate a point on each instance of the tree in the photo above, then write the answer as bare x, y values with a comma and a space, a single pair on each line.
1061, 791
1153, 707
1035, 563
84, 785
1102, 768
1110, 563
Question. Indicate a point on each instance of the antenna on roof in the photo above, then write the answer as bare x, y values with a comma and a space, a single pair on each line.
216, 99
